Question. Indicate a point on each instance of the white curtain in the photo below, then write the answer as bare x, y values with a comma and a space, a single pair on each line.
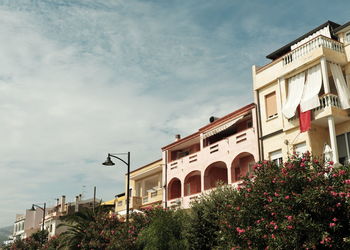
312, 87
295, 92
340, 84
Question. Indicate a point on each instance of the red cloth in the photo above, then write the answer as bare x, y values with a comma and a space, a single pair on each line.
304, 120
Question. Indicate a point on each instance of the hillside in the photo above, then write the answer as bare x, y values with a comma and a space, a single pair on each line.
4, 233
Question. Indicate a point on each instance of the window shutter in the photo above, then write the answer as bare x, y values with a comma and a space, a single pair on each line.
271, 107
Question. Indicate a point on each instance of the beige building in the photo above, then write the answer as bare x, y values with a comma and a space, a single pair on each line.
310, 74
145, 188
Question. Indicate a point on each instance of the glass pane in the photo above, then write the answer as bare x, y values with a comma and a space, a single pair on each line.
341, 146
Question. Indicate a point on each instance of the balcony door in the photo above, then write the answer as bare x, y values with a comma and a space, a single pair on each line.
343, 142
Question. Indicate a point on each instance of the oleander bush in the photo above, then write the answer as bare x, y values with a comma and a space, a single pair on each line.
303, 204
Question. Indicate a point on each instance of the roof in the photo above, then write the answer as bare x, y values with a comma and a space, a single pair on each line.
336, 30
211, 125
108, 203
286, 48
145, 166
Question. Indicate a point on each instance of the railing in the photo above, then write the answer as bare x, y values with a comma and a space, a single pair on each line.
328, 100
319, 41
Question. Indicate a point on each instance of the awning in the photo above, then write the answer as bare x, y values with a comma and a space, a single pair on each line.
222, 127
108, 203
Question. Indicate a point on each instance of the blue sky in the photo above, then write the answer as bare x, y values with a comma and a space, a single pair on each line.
79, 79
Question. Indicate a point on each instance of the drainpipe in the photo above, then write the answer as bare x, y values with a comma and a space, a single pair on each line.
260, 140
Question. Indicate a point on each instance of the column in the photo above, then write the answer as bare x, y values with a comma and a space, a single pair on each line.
229, 174
164, 178
282, 96
331, 124
333, 139
202, 180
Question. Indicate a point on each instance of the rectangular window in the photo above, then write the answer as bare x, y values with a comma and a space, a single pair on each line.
277, 157
347, 37
300, 148
343, 141
270, 105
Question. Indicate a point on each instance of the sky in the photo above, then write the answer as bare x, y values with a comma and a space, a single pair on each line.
83, 78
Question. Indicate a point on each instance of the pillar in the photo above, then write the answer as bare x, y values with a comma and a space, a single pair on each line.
330, 119
333, 139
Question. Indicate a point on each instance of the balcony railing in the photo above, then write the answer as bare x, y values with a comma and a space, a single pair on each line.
329, 100
319, 41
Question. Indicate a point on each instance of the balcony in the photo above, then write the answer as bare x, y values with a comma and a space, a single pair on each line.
319, 41
241, 141
305, 54
329, 106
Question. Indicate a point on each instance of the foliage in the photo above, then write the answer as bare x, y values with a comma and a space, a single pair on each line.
300, 205
164, 230
89, 230
203, 228
34, 242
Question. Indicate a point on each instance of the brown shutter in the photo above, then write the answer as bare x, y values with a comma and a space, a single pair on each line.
271, 107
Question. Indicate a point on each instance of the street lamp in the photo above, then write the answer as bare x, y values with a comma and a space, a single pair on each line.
44, 210
109, 162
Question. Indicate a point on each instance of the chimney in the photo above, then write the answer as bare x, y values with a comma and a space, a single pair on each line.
212, 119
63, 203
177, 137
76, 207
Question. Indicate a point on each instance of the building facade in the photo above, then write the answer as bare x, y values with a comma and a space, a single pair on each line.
145, 188
223, 151
303, 96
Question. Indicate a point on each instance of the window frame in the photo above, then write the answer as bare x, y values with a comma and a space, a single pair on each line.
272, 116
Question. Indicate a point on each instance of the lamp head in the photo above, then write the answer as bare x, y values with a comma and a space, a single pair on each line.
33, 208
108, 161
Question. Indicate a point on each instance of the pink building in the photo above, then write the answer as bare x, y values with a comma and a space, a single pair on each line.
222, 151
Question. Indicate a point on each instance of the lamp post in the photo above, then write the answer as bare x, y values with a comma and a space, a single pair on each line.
44, 210
109, 162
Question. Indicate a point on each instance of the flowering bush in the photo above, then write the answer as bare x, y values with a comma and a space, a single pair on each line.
301, 205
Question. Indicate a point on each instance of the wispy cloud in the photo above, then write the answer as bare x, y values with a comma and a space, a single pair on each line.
79, 79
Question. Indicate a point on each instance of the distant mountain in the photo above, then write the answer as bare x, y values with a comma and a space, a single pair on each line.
4, 233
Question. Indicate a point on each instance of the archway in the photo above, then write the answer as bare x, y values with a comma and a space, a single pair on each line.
192, 184
174, 189
241, 166
215, 173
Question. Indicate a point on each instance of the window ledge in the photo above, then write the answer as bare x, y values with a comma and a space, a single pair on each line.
272, 117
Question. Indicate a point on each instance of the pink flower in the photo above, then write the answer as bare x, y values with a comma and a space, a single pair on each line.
330, 162
332, 224
335, 219
287, 197
338, 204
342, 172
273, 236
290, 227
276, 194
238, 208
289, 217
240, 230
276, 227
266, 193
